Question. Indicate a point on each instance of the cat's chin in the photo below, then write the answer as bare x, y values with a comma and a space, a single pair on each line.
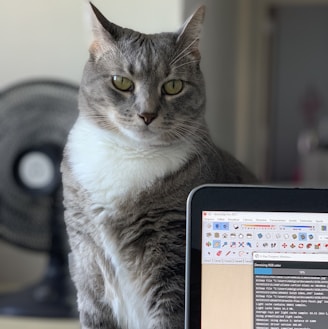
145, 138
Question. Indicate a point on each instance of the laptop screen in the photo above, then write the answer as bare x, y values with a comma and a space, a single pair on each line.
264, 270
290, 290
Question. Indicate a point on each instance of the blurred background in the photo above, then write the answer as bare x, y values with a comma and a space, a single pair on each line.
265, 65
50, 40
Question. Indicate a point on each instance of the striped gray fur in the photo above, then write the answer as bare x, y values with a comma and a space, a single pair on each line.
126, 179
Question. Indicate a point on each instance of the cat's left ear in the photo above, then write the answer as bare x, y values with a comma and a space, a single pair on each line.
105, 33
189, 34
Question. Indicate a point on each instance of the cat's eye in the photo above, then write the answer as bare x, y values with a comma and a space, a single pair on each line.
173, 87
122, 83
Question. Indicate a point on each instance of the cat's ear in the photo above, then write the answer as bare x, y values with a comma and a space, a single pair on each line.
104, 32
189, 33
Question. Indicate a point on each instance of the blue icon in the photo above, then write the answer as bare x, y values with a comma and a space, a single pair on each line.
223, 226
302, 236
216, 244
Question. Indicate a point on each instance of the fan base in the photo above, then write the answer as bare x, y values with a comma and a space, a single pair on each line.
47, 299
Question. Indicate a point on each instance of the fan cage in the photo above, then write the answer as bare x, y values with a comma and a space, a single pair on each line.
32, 114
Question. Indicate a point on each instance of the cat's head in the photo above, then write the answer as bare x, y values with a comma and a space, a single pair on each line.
146, 88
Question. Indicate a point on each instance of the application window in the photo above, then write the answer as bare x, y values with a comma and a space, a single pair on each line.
290, 291
232, 237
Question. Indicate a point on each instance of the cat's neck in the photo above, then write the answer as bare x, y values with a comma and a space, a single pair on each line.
109, 167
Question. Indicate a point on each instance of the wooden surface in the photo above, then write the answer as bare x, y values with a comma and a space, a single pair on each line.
8, 322
31, 323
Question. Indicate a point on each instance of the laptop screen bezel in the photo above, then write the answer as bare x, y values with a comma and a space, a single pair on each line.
236, 198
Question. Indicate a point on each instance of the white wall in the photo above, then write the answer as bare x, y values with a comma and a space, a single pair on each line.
218, 46
48, 39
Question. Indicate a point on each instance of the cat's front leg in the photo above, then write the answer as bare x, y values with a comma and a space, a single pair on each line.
168, 304
100, 318
94, 312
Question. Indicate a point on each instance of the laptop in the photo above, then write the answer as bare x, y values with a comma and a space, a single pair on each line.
257, 257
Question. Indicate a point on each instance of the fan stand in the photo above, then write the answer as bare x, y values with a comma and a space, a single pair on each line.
54, 296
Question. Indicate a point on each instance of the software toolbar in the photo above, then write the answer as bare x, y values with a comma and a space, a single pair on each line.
232, 237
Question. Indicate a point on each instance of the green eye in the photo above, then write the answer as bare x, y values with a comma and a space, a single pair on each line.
122, 83
173, 87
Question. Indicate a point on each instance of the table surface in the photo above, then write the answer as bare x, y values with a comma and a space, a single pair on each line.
33, 323
10, 322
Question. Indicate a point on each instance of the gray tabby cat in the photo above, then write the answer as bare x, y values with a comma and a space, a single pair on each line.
138, 148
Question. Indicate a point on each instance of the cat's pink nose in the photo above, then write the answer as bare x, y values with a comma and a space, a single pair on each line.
148, 118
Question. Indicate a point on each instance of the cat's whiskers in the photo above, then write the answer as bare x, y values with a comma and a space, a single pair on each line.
186, 63
181, 135
100, 118
181, 58
196, 135
182, 54
197, 138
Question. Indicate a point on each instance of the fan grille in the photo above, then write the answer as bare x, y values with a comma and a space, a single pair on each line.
32, 114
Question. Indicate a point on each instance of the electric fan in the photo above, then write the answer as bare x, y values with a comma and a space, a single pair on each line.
35, 118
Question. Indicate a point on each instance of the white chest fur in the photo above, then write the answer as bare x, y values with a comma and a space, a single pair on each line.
109, 167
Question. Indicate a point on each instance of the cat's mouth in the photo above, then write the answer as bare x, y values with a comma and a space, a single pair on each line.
146, 135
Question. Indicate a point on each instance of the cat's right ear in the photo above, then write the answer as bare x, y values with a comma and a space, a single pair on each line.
189, 34
104, 32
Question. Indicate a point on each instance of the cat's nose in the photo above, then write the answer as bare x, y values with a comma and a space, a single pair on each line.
147, 117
